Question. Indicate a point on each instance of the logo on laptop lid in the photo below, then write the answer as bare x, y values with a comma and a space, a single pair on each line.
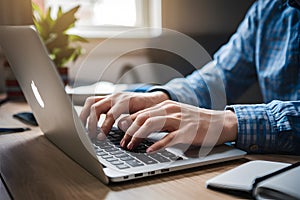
37, 94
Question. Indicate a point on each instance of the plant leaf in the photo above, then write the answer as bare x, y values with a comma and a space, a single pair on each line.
59, 12
38, 10
77, 38
66, 20
63, 56
54, 34
58, 41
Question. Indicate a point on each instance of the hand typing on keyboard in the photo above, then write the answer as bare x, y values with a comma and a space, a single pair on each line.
113, 106
151, 112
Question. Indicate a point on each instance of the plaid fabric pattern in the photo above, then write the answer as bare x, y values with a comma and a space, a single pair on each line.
269, 128
265, 48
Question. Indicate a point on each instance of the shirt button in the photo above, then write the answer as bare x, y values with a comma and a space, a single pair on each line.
253, 147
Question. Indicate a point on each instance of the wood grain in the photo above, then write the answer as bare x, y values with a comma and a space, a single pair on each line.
33, 168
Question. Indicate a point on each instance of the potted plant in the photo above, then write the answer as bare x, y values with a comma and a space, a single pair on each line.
62, 47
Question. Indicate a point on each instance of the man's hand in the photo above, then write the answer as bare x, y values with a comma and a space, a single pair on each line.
113, 106
185, 124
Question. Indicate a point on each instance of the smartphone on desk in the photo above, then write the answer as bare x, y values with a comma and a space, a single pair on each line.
26, 117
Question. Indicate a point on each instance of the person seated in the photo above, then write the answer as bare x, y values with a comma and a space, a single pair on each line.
265, 48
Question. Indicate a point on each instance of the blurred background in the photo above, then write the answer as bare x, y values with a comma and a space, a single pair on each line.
209, 23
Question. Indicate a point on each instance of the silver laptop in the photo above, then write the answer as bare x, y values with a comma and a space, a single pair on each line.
60, 123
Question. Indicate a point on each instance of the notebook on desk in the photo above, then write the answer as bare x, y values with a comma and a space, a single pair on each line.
260, 180
60, 123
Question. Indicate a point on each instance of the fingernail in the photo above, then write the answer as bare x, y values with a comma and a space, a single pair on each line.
149, 150
101, 136
130, 146
122, 143
124, 125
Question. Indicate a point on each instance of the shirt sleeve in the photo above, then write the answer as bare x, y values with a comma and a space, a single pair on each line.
203, 88
269, 128
230, 73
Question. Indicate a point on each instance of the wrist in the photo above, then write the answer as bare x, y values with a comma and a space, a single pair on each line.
158, 97
230, 129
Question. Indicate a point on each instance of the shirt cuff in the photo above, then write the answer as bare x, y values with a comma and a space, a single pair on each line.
256, 128
180, 90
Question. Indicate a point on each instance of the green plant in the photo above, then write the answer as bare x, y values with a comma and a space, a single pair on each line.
62, 47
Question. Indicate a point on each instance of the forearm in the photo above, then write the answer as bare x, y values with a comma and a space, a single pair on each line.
204, 88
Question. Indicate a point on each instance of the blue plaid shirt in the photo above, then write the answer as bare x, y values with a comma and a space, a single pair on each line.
265, 48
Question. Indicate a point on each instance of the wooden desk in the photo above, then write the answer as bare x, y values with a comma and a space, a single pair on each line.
33, 168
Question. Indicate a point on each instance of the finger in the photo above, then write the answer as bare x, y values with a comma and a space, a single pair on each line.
113, 114
96, 110
85, 112
127, 122
101, 135
165, 142
124, 141
153, 124
109, 121
128, 135
155, 110
92, 122
124, 123
132, 123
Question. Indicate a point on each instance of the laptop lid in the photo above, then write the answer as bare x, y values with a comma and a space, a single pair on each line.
44, 91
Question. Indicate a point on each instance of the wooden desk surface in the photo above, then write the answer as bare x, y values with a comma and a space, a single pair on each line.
31, 167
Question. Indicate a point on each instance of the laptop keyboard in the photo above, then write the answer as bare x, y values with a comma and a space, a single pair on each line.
110, 150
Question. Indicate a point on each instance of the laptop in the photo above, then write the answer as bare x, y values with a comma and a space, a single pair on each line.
60, 123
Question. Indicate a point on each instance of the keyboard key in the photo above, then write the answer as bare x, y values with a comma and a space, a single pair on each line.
123, 166
107, 146
111, 149
107, 156
121, 155
169, 155
134, 163
117, 162
127, 158
159, 158
114, 141
101, 153
112, 159
116, 152
117, 145
144, 158
116, 136
99, 150
148, 143
101, 142
140, 149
